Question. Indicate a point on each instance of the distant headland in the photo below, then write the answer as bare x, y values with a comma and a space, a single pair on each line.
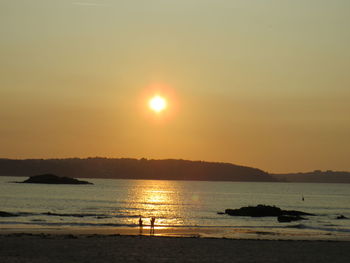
168, 169
316, 176
127, 168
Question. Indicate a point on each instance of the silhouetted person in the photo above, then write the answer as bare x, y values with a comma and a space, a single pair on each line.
303, 198
153, 219
140, 225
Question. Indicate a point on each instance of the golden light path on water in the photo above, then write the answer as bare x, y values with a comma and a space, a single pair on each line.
159, 199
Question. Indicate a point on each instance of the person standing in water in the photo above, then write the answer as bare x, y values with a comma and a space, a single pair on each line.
140, 225
153, 219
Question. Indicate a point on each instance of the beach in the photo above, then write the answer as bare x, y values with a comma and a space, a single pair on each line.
25, 247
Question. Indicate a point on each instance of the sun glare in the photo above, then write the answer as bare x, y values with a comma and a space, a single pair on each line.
157, 104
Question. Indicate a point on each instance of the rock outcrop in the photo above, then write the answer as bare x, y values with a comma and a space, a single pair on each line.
342, 217
266, 210
52, 179
287, 219
6, 214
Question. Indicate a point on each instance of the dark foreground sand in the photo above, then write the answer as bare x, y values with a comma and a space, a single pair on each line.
102, 248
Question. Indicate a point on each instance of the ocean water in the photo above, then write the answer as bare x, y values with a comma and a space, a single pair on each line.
113, 204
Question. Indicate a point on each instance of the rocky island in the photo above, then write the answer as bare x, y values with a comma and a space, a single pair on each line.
266, 210
52, 179
7, 214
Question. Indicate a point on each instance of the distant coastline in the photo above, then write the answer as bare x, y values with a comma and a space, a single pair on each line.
168, 169
316, 176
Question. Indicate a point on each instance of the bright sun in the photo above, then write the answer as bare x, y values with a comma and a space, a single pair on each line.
157, 104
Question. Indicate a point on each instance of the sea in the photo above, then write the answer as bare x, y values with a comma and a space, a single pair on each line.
178, 206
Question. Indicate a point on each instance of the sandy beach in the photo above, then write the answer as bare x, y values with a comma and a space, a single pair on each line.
17, 247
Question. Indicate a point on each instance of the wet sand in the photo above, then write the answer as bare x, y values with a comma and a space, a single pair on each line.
202, 232
17, 247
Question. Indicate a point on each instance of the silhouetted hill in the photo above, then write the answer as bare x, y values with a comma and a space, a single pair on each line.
133, 169
316, 176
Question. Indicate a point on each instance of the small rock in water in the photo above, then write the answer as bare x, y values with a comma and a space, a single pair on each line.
342, 217
287, 219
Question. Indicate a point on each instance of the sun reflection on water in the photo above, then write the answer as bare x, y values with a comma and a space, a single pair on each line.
159, 199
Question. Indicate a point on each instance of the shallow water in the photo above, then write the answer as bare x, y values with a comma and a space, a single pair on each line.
177, 204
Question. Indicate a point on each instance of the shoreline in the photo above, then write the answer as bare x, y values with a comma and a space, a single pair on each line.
77, 235
184, 232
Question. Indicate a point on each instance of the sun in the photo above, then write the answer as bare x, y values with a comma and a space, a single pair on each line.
157, 104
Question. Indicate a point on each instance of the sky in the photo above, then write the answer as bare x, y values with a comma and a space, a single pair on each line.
261, 83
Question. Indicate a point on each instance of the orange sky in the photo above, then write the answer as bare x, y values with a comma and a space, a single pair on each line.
258, 83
